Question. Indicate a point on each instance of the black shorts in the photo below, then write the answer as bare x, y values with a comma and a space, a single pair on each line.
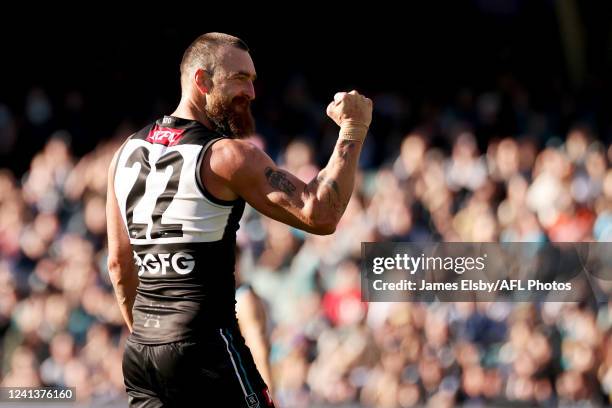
216, 370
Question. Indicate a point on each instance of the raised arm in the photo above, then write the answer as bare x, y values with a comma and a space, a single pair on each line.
121, 267
237, 168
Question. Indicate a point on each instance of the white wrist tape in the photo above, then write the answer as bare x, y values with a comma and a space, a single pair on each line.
353, 131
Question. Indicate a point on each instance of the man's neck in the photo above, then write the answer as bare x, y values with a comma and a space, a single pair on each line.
189, 110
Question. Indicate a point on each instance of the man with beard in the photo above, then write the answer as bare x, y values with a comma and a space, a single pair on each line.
176, 192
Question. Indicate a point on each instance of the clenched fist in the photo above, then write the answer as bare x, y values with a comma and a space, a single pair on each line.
350, 108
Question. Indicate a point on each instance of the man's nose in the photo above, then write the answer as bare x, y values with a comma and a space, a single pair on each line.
250, 91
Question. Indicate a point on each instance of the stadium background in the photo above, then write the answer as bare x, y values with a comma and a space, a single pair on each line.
492, 123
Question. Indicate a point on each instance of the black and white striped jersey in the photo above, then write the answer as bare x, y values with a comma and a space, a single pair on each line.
183, 238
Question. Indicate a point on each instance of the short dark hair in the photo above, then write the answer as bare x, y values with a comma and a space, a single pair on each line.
202, 52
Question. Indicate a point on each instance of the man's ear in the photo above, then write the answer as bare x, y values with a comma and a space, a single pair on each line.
202, 81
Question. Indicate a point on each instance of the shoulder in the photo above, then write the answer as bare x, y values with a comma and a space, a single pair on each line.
234, 148
228, 156
113, 162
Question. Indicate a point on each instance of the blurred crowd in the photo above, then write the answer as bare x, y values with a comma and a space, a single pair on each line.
452, 175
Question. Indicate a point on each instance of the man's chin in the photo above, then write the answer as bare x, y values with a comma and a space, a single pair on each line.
237, 122
243, 128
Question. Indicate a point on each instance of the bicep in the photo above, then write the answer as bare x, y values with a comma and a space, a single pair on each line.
272, 191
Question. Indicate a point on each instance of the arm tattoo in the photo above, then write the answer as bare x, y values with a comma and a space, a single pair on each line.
330, 189
346, 147
279, 181
332, 193
330, 183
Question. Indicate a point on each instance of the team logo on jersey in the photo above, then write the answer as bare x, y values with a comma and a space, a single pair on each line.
180, 262
252, 401
165, 135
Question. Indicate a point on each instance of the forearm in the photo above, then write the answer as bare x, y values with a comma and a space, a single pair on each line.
125, 282
332, 188
317, 206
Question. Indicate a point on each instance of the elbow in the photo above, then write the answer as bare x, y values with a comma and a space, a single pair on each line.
112, 264
325, 229
321, 220
117, 268
114, 269
324, 226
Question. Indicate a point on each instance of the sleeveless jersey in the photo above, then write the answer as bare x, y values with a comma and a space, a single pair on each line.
183, 238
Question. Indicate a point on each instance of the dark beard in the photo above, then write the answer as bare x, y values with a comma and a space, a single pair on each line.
232, 118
